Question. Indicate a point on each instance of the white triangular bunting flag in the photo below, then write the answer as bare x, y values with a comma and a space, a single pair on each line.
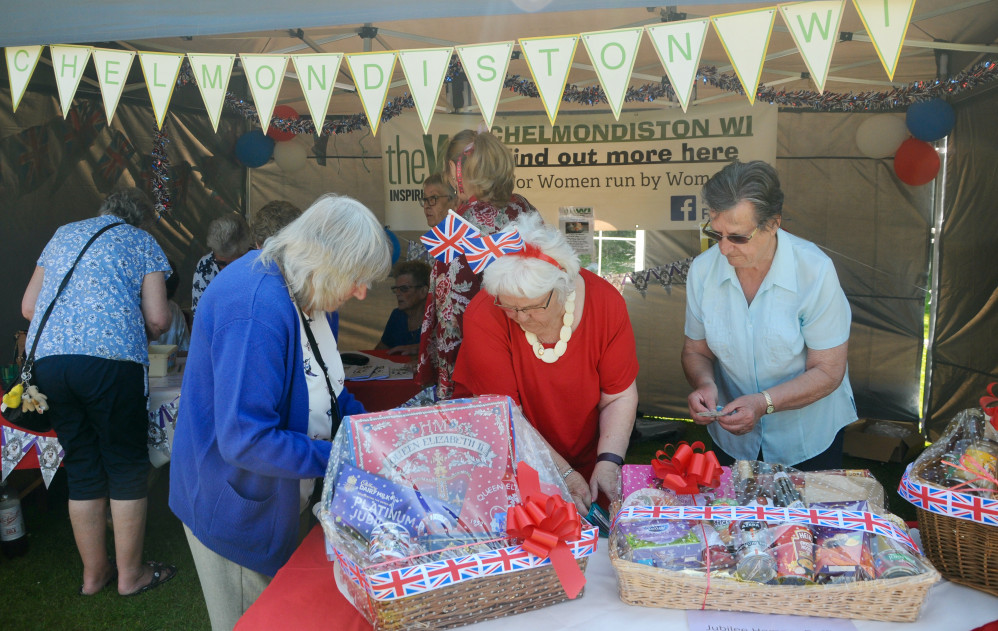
549, 60
68, 63
112, 72
372, 76
815, 29
160, 71
745, 36
317, 76
612, 54
485, 66
50, 455
679, 46
887, 23
425, 70
212, 74
15, 444
21, 62
264, 74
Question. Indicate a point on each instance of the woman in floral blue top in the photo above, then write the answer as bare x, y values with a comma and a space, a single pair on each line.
91, 362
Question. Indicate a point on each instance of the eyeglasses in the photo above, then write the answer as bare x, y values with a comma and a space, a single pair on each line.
737, 239
523, 309
404, 289
431, 200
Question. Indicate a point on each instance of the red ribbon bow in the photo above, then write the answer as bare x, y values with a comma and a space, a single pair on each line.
990, 404
546, 523
686, 469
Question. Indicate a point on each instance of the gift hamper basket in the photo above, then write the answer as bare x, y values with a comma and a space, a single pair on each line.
446, 515
764, 538
953, 487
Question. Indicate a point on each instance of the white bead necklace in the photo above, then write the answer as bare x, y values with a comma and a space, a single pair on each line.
551, 355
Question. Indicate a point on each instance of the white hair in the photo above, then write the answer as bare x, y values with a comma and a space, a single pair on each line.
528, 277
335, 245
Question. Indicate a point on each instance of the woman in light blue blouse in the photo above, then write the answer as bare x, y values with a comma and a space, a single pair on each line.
91, 362
767, 331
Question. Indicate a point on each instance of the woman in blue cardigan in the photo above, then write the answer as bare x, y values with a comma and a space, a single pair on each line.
259, 404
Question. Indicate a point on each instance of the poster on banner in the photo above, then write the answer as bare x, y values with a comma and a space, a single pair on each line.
576, 223
644, 171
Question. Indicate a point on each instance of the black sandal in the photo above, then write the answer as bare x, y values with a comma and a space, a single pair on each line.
161, 573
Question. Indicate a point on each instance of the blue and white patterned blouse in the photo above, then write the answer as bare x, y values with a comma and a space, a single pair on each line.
99, 313
205, 272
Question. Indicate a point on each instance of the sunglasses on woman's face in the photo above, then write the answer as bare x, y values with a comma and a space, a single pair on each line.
737, 239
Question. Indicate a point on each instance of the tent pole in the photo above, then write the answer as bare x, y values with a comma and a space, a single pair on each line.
938, 216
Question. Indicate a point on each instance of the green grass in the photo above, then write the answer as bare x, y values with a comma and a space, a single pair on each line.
39, 590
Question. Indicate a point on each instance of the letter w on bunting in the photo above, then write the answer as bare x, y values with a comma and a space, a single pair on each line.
482, 251
445, 241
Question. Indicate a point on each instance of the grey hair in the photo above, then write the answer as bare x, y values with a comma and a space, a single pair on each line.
131, 205
229, 236
527, 277
756, 182
336, 244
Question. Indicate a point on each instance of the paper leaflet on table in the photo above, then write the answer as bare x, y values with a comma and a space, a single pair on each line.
378, 368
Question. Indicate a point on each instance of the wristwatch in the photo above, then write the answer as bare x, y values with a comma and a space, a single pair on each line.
770, 408
610, 457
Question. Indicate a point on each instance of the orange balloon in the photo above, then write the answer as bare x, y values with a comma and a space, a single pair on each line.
916, 162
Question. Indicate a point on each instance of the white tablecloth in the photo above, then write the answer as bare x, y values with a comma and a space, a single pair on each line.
948, 607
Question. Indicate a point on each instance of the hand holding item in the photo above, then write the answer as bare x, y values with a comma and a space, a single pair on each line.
605, 479
579, 490
405, 349
742, 414
702, 403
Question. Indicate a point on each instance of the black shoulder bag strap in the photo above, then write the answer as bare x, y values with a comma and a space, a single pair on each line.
29, 362
325, 373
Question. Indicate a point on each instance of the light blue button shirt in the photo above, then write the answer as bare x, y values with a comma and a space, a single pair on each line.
799, 306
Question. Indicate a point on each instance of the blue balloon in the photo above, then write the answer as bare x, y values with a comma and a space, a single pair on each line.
930, 120
254, 148
396, 246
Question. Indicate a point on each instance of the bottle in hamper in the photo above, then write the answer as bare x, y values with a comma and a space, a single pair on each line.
891, 559
754, 561
793, 543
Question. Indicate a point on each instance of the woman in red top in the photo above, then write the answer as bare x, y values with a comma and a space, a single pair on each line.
559, 342
481, 171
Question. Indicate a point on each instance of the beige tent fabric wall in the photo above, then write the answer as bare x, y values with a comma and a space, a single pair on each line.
965, 348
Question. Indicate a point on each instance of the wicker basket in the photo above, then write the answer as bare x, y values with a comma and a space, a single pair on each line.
964, 551
468, 602
893, 600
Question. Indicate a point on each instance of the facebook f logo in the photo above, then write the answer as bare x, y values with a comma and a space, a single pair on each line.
684, 207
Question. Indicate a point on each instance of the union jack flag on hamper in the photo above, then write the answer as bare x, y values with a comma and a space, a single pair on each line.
445, 241
947, 502
404, 581
480, 252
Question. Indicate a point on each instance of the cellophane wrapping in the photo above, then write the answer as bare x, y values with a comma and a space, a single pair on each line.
965, 458
416, 485
750, 541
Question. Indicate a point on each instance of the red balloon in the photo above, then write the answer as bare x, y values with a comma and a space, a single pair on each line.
286, 113
916, 162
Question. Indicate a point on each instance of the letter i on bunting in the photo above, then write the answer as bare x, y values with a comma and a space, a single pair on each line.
549, 60
679, 46
317, 76
372, 76
612, 54
887, 23
445, 241
264, 74
21, 63
485, 67
112, 72
161, 71
68, 63
745, 36
425, 70
212, 73
815, 28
